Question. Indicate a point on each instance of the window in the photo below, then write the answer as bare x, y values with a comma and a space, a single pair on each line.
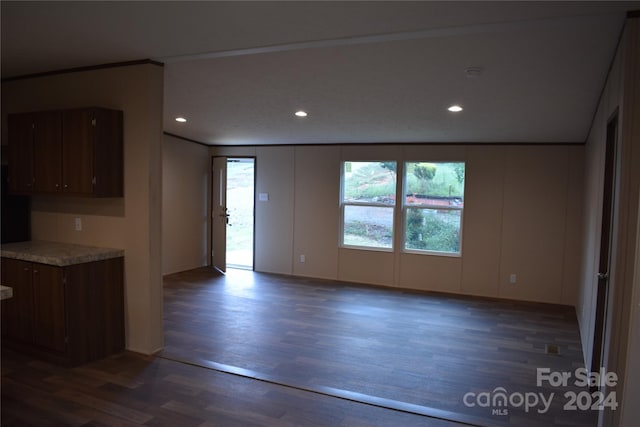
433, 205
368, 199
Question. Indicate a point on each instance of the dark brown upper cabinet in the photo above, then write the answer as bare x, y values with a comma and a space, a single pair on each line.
47, 152
76, 152
20, 136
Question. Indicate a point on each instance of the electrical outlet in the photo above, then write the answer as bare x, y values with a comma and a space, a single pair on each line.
513, 279
78, 224
303, 258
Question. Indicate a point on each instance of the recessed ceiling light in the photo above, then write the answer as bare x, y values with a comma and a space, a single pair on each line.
455, 108
301, 113
181, 119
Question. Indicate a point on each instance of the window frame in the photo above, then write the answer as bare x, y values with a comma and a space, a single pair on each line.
405, 209
343, 203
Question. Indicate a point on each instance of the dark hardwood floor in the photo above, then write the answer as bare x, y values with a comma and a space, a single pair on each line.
252, 349
417, 352
132, 390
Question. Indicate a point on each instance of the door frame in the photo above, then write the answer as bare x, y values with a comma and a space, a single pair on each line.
212, 205
602, 308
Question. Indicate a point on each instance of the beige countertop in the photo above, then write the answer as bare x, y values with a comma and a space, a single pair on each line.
58, 254
5, 292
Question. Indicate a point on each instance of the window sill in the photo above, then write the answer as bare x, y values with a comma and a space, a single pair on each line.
433, 253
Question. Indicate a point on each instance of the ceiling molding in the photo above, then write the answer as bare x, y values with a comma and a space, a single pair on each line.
186, 139
503, 27
85, 68
412, 144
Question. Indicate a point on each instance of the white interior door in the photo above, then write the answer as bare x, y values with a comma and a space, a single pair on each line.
219, 214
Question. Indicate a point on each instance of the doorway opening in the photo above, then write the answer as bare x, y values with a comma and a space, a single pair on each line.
240, 208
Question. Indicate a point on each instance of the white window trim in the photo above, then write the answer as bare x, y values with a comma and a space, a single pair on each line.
343, 203
404, 207
399, 208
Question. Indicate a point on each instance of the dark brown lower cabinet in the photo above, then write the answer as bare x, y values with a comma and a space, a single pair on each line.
68, 315
48, 308
16, 311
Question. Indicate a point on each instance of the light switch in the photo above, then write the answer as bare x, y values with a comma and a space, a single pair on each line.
78, 224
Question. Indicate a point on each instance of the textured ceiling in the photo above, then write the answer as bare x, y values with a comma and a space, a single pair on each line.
365, 71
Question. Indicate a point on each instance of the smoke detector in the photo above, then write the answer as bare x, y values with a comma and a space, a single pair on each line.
473, 72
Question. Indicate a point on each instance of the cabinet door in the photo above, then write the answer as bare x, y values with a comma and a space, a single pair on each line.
47, 149
108, 152
16, 311
20, 146
49, 329
77, 152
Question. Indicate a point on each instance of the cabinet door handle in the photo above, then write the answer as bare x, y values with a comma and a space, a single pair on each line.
66, 186
26, 268
35, 271
57, 185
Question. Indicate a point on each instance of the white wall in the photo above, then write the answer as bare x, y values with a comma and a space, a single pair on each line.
312, 196
522, 215
274, 218
594, 187
185, 212
533, 222
132, 223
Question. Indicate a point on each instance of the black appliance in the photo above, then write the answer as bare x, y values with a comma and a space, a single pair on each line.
15, 214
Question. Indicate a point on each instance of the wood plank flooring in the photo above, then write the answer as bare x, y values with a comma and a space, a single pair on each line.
132, 390
422, 350
251, 349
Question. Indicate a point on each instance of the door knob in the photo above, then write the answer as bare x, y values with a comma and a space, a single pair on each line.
603, 276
